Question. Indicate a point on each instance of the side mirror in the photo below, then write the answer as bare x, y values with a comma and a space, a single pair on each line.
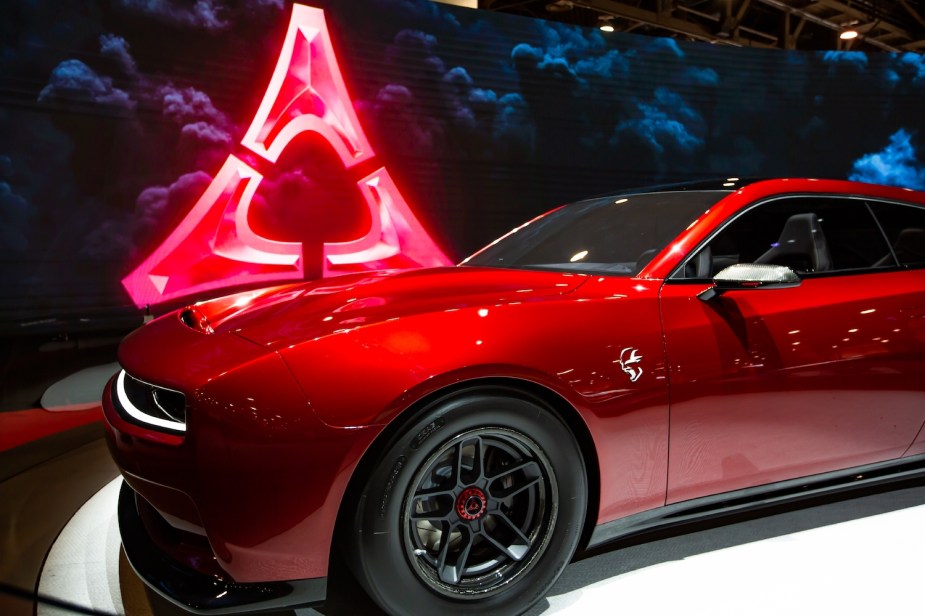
744, 276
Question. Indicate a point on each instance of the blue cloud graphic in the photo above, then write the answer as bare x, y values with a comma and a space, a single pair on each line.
117, 48
611, 64
896, 165
185, 105
858, 59
700, 76
910, 66
667, 123
667, 46
527, 53
205, 14
74, 80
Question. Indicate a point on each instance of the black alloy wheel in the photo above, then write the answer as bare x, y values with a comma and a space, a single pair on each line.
480, 510
477, 505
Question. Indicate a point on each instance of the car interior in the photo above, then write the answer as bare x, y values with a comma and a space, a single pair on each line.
813, 237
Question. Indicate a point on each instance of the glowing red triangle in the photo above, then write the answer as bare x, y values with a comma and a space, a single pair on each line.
215, 247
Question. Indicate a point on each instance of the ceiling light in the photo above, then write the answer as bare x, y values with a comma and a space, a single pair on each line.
848, 31
605, 23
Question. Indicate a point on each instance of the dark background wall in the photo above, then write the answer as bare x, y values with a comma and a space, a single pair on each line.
115, 115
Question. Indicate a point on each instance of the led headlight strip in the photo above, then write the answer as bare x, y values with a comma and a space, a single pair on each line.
140, 415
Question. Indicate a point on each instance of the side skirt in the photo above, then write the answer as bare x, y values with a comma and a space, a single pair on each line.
760, 497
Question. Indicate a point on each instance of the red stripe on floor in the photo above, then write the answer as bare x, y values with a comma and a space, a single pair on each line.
21, 427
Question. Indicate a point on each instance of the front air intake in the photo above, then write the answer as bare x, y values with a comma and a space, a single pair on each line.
150, 405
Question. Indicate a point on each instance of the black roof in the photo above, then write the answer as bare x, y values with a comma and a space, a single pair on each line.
724, 184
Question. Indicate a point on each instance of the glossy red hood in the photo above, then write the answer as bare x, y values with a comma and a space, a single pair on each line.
287, 315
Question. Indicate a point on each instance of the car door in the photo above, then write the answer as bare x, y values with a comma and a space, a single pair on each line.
772, 384
904, 226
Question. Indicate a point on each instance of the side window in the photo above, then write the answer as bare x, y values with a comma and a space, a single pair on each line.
904, 226
807, 234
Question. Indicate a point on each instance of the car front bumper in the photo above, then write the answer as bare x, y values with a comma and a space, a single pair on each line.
199, 592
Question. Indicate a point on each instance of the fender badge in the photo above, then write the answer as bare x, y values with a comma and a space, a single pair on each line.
628, 357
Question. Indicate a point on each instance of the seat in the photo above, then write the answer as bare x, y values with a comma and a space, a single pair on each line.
704, 263
801, 246
701, 266
644, 259
910, 246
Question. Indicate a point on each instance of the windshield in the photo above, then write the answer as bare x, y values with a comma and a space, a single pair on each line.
609, 235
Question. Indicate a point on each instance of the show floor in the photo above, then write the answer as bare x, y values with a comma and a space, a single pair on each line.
42, 484
858, 556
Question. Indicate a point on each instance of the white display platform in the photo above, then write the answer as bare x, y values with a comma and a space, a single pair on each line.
79, 391
82, 566
861, 567
868, 565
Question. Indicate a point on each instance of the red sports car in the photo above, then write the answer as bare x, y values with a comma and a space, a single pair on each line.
617, 364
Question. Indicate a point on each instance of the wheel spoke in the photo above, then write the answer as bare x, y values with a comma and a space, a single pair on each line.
475, 472
444, 508
530, 468
517, 549
434, 492
451, 565
515, 489
478, 462
457, 464
523, 466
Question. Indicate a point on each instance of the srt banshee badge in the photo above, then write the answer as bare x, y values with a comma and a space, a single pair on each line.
629, 358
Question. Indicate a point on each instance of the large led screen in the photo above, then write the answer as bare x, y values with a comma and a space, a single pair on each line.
156, 151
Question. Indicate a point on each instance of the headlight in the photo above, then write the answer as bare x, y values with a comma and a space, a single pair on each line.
148, 404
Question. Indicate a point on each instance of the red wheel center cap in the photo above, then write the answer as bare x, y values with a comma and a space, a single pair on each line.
471, 504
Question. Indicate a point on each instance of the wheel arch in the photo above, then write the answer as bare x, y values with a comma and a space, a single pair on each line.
516, 387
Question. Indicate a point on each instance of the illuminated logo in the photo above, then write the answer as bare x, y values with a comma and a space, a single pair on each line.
215, 246
629, 357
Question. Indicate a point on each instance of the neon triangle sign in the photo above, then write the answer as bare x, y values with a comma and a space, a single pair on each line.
215, 247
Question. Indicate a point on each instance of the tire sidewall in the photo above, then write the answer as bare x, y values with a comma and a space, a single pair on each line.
381, 558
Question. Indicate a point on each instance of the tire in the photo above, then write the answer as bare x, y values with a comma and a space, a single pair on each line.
476, 506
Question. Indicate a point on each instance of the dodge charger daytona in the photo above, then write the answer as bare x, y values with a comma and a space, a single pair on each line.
457, 434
